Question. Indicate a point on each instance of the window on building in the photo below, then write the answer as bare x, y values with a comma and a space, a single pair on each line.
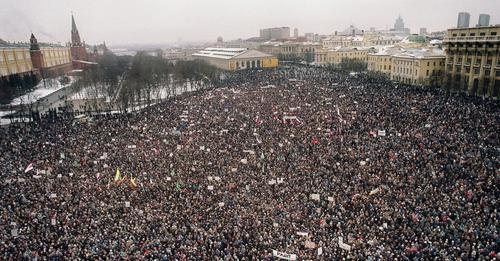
476, 71
472, 34
1, 57
482, 34
427, 73
454, 35
493, 33
487, 72
497, 73
10, 56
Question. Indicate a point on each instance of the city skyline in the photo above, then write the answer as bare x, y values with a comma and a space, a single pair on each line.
156, 21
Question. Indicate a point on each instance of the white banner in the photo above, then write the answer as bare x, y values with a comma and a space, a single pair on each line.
315, 196
285, 256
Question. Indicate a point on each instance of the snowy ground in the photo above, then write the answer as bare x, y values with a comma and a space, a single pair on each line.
44, 88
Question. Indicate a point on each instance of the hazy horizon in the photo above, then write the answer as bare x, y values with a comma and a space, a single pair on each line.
129, 22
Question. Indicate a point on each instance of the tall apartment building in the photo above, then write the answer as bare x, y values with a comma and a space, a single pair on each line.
275, 33
472, 60
463, 20
484, 20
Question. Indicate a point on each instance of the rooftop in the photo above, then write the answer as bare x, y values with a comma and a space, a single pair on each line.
4, 44
228, 53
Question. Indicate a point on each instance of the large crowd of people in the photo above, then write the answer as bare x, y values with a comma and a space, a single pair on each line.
298, 162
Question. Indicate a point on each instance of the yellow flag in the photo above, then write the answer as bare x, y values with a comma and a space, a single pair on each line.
118, 176
132, 182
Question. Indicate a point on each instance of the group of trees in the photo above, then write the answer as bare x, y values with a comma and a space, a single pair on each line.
350, 65
127, 82
16, 85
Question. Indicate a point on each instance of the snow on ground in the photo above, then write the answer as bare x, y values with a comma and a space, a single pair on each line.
44, 88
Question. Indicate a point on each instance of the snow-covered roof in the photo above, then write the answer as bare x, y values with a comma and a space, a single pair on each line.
228, 53
421, 53
84, 62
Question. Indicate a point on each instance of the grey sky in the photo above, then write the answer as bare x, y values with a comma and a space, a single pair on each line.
163, 21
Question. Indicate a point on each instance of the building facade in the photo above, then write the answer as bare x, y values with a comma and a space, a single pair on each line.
472, 60
367, 40
275, 33
14, 60
233, 59
291, 50
336, 56
420, 66
380, 62
425, 69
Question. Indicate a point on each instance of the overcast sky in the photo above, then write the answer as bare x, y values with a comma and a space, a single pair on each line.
165, 21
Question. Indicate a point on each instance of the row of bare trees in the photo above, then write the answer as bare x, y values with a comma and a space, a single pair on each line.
126, 83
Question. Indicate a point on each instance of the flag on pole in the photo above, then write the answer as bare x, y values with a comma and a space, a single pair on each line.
117, 175
133, 184
178, 186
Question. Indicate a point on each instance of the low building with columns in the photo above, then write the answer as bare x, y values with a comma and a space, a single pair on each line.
337, 55
233, 59
291, 50
472, 60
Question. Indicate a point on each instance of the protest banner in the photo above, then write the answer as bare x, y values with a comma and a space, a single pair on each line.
309, 245
30, 167
375, 191
315, 196
284, 255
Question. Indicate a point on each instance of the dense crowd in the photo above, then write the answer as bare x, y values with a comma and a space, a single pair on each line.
300, 160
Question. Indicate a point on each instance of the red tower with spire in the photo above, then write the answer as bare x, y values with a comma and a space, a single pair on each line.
35, 53
78, 51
